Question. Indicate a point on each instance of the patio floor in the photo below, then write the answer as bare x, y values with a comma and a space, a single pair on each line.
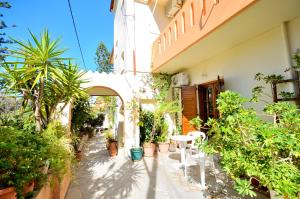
97, 176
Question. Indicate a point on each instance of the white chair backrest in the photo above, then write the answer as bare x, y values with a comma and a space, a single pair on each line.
196, 134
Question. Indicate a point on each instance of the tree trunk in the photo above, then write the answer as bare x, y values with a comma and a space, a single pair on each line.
37, 112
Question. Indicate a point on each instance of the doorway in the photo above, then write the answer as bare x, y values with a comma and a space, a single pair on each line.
207, 99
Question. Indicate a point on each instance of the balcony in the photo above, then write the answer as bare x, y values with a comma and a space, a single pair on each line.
193, 22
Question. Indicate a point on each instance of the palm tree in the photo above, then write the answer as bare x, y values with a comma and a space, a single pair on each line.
42, 76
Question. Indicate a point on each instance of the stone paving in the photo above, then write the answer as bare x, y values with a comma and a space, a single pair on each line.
97, 176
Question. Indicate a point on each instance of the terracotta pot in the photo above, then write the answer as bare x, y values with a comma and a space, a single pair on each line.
163, 147
113, 149
28, 188
78, 155
172, 147
149, 149
8, 193
107, 144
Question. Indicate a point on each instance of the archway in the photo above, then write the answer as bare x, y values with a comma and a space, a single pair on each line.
102, 84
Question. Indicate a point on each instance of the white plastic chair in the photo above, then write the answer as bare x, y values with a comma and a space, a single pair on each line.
196, 154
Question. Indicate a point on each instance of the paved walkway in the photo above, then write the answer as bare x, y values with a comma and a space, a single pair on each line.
98, 176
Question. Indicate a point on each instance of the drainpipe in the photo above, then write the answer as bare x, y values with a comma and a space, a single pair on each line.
286, 43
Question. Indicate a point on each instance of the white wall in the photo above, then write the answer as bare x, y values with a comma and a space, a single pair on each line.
135, 29
123, 35
264, 53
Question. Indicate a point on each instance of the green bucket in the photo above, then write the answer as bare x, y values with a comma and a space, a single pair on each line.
136, 153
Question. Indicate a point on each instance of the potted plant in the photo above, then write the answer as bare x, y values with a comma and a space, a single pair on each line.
113, 147
76, 144
90, 131
163, 145
146, 136
250, 147
111, 143
136, 152
108, 135
22, 154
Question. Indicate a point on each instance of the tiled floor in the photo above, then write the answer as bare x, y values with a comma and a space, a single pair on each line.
98, 176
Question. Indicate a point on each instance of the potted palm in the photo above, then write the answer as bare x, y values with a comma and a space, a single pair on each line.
163, 145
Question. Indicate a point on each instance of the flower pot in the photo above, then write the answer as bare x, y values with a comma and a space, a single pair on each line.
136, 153
28, 188
113, 149
172, 147
163, 147
149, 149
78, 155
107, 144
8, 193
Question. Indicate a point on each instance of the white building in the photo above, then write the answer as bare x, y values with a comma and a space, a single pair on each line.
217, 43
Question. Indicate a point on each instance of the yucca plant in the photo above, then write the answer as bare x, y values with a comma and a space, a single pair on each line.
42, 76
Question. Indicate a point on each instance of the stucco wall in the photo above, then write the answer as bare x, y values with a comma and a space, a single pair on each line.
264, 53
135, 29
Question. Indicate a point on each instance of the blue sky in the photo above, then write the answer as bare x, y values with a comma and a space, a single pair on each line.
92, 17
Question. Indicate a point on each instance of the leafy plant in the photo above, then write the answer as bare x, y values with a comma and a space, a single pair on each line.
81, 113
253, 148
196, 122
109, 136
244, 188
146, 125
163, 137
59, 150
22, 154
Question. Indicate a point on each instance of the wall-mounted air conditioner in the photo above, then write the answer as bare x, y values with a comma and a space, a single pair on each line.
181, 79
173, 7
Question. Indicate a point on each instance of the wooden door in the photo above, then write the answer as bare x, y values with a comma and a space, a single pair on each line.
189, 107
208, 94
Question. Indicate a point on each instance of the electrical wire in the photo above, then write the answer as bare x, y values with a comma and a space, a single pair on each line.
76, 32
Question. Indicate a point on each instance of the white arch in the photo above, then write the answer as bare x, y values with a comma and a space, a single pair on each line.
121, 86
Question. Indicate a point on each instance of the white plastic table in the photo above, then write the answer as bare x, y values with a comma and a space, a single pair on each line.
182, 139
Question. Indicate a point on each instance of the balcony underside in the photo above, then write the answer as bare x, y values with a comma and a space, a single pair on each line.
256, 19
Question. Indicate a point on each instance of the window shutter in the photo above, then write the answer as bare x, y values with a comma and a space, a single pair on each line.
189, 107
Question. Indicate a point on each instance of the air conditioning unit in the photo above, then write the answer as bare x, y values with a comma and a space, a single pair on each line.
173, 7
181, 79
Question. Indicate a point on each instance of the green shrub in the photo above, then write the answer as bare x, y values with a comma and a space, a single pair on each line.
24, 153
253, 148
196, 123
146, 126
59, 148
